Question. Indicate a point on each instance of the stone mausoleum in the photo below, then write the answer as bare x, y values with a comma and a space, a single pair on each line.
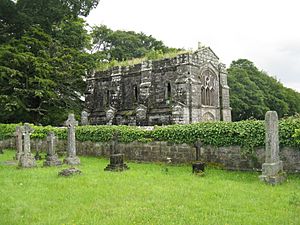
189, 88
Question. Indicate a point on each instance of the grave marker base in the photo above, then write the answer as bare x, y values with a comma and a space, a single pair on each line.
116, 163
72, 160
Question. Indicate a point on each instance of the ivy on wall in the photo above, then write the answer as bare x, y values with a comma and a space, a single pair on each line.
247, 134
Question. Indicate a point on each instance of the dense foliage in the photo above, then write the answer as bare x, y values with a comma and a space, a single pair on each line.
296, 136
253, 92
247, 134
43, 59
121, 45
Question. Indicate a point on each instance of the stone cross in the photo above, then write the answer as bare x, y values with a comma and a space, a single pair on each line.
19, 142
198, 145
51, 158
71, 123
272, 169
114, 143
71, 159
26, 159
27, 131
51, 143
272, 139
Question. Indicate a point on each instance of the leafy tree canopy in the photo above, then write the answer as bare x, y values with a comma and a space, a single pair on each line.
254, 92
18, 16
43, 59
123, 45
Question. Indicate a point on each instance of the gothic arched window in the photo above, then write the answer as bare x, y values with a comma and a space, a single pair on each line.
208, 93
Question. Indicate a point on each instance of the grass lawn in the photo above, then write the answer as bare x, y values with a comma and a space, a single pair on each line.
145, 194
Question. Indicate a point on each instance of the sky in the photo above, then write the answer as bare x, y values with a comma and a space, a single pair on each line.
267, 32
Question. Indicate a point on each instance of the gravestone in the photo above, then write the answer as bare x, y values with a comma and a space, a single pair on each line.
84, 118
69, 172
272, 169
71, 159
51, 158
198, 167
26, 159
116, 159
19, 142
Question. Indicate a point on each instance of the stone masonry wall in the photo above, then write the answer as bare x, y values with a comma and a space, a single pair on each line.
188, 88
227, 157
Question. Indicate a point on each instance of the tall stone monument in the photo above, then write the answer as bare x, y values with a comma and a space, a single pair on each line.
272, 169
19, 142
71, 159
51, 158
26, 159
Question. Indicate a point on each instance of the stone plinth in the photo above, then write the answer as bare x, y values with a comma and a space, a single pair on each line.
72, 160
116, 163
52, 160
272, 173
69, 172
27, 161
272, 169
198, 167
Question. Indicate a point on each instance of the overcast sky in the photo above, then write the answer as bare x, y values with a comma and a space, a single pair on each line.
266, 32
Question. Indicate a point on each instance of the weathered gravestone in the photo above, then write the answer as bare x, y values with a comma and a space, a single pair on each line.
51, 158
272, 169
26, 159
69, 172
198, 167
84, 118
71, 159
19, 142
116, 159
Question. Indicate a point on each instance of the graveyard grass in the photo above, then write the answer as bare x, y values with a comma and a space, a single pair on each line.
145, 194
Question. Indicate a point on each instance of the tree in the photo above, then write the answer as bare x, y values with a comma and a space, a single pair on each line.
43, 61
254, 92
123, 45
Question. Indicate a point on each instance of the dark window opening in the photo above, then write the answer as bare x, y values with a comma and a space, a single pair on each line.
202, 96
107, 98
169, 89
135, 93
207, 96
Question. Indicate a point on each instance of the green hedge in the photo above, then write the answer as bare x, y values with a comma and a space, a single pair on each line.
247, 134
296, 136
